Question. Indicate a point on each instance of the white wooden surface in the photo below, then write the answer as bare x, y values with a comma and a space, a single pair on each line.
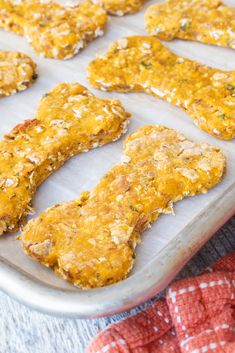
25, 331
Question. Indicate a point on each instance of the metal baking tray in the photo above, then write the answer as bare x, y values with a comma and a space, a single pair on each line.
171, 241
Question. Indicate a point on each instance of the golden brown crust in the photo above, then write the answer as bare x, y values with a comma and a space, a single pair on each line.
120, 7
207, 21
54, 31
143, 64
17, 72
69, 120
20, 128
91, 241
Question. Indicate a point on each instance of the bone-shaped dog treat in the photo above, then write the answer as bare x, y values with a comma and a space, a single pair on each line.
54, 31
143, 64
69, 120
120, 7
207, 21
90, 241
17, 72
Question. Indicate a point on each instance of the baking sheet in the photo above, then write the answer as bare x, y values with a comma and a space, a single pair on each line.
83, 172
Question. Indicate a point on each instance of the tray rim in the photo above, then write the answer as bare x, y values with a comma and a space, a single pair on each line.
130, 292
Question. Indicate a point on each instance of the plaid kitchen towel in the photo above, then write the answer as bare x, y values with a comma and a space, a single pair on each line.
198, 316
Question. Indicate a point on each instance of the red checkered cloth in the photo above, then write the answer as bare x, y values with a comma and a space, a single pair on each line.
198, 316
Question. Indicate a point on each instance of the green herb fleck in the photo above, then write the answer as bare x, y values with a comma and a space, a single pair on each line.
45, 95
133, 208
230, 87
230, 42
146, 65
185, 25
221, 116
